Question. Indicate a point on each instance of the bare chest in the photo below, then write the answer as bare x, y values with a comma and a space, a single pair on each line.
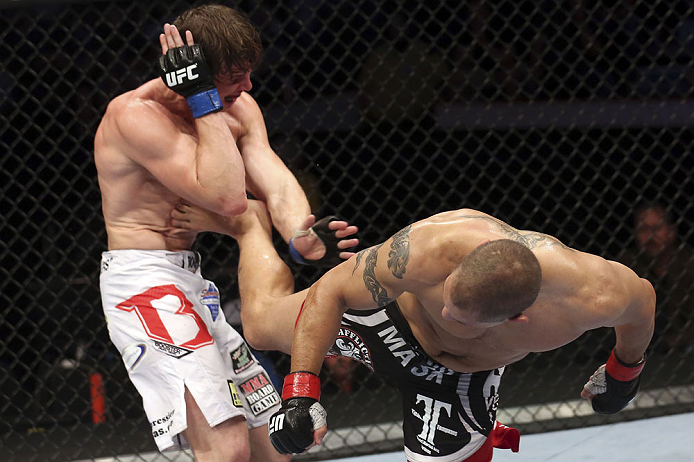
467, 349
482, 351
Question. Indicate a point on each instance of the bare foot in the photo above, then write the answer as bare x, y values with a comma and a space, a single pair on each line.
195, 218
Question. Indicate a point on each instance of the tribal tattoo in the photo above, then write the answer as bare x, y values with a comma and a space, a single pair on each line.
378, 292
399, 252
358, 258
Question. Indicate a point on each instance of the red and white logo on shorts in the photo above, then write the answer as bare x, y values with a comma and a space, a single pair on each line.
145, 306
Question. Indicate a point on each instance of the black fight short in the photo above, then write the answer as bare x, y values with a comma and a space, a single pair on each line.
446, 414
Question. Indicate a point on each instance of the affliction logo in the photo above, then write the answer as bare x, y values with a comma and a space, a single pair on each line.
351, 345
260, 393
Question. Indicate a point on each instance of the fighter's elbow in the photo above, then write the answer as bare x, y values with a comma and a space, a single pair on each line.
649, 297
255, 337
231, 206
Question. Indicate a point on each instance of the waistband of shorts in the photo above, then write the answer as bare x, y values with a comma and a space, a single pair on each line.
186, 259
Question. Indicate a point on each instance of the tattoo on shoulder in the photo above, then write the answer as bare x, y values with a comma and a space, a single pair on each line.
534, 239
378, 292
399, 253
530, 239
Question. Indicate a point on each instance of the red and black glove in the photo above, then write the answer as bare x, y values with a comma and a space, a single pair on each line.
291, 428
614, 384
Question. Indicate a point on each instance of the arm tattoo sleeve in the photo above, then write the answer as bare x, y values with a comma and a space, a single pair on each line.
378, 292
399, 253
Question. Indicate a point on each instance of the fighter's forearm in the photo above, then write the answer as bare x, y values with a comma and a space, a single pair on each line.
288, 205
219, 169
315, 331
634, 337
632, 342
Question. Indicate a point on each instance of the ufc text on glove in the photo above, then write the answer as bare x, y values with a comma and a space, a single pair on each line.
185, 71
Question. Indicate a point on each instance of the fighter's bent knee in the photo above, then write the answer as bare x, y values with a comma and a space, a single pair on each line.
256, 338
235, 445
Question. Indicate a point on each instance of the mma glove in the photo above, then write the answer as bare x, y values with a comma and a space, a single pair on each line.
614, 384
185, 71
291, 428
325, 235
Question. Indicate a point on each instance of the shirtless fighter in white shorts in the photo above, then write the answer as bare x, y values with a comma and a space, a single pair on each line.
196, 135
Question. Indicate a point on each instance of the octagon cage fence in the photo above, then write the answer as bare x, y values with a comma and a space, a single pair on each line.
558, 116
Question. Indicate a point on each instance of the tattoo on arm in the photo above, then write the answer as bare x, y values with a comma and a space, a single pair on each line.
378, 292
530, 239
359, 256
399, 253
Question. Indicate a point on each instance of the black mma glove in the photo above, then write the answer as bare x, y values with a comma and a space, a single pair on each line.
291, 428
185, 71
614, 385
327, 236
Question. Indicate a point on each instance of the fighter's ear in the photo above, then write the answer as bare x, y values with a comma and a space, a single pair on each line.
520, 317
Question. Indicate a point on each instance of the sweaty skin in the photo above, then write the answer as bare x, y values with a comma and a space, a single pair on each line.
579, 292
150, 154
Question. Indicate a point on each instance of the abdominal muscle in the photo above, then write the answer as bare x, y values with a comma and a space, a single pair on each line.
137, 216
148, 238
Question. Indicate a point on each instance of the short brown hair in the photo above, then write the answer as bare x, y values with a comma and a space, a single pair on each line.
226, 36
497, 280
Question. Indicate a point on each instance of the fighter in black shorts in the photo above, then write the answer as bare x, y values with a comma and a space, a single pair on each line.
458, 296
446, 414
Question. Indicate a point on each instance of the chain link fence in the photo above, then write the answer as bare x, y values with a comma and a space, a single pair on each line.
558, 116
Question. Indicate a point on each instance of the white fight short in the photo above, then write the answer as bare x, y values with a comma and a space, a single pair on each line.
165, 319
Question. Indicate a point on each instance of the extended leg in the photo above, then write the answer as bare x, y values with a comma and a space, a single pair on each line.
269, 306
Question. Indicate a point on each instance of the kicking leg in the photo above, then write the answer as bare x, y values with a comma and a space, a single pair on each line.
269, 307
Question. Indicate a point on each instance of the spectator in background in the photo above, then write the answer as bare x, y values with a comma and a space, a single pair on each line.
668, 263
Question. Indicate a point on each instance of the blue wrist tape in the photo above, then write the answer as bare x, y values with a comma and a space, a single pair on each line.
204, 102
296, 256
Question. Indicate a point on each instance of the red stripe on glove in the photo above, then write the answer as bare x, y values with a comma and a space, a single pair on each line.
623, 372
301, 384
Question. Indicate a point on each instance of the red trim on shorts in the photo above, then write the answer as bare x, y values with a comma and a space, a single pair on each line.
299, 314
501, 437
